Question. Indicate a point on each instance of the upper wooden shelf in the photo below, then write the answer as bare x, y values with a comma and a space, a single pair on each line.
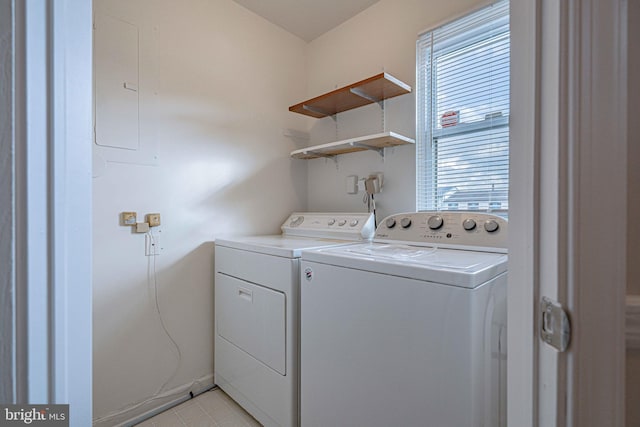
368, 91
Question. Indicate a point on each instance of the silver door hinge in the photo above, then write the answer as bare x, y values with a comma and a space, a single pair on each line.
555, 328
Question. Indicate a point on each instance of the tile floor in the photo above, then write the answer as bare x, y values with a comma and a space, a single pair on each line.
210, 409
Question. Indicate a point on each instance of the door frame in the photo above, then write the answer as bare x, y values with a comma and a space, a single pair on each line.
568, 210
587, 254
47, 185
7, 217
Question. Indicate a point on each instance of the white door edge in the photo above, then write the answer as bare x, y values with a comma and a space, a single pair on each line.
568, 234
597, 218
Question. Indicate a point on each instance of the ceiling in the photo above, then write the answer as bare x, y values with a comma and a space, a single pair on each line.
307, 19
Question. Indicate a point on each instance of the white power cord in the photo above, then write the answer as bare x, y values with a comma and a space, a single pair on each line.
164, 328
369, 200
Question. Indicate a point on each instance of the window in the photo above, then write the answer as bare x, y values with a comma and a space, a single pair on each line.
463, 113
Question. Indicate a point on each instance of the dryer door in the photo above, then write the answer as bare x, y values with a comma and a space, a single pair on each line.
252, 318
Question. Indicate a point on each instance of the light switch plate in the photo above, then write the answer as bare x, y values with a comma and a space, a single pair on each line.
352, 184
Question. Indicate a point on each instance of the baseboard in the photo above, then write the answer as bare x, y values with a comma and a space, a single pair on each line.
137, 413
633, 322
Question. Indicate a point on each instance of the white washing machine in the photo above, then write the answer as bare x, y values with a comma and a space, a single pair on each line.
257, 310
409, 330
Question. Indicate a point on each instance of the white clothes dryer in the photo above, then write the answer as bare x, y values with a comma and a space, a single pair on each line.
257, 310
409, 330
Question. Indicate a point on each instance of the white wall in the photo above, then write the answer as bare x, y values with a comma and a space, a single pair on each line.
215, 85
382, 38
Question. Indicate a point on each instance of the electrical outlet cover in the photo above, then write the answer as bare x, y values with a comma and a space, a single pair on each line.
142, 227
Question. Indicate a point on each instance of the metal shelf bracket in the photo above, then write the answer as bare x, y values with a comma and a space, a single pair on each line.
363, 94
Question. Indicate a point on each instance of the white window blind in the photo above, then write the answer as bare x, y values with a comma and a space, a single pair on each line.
463, 113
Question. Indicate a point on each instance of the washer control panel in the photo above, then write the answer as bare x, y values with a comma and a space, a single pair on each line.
348, 226
447, 229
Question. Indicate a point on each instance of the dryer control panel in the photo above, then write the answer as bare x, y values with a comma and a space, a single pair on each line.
458, 230
346, 226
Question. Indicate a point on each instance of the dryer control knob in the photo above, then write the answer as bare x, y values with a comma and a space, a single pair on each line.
468, 224
296, 221
390, 222
331, 221
342, 222
353, 223
405, 222
491, 226
435, 222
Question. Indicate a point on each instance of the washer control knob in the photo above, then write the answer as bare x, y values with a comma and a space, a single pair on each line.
468, 224
296, 221
353, 223
331, 221
491, 226
405, 222
435, 222
342, 222
390, 222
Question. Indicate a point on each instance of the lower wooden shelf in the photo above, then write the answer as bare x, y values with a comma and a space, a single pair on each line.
377, 142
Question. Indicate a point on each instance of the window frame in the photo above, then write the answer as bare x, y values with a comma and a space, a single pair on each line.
462, 35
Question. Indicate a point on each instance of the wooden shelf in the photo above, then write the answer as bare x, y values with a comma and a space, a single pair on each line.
376, 142
368, 91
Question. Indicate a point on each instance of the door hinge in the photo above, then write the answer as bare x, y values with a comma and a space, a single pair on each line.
555, 328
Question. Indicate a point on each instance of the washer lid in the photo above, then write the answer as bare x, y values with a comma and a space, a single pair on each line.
278, 245
463, 268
